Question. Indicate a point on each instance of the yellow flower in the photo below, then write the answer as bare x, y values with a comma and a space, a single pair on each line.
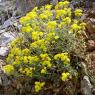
17, 51
43, 47
26, 29
35, 9
44, 70
60, 5
38, 86
32, 15
45, 57
69, 11
16, 62
67, 20
25, 51
46, 14
57, 56
48, 7
56, 37
47, 63
52, 24
63, 57
60, 14
66, 3
34, 44
65, 76
39, 44
42, 8
28, 72
43, 16
75, 27
50, 36
37, 35
62, 24
24, 19
9, 69
10, 56
33, 59
78, 12
25, 59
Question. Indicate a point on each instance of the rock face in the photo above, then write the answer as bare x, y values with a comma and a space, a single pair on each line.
7, 8
90, 30
8, 32
26, 5
86, 87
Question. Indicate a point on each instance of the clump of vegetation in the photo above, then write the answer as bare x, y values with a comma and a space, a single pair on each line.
43, 50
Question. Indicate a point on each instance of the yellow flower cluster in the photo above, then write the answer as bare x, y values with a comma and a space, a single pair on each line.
40, 50
44, 70
39, 86
78, 12
39, 44
60, 14
33, 59
25, 51
27, 29
62, 5
9, 69
37, 35
47, 63
51, 36
26, 71
66, 21
65, 76
28, 17
45, 57
46, 14
51, 24
30, 59
63, 57
75, 27
48, 7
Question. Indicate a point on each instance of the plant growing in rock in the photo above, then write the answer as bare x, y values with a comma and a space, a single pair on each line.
43, 49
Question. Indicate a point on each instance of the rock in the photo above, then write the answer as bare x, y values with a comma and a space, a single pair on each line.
84, 69
19, 26
2, 63
6, 10
86, 87
5, 40
92, 56
84, 16
91, 13
54, 2
24, 6
1, 81
4, 51
5, 80
7, 37
91, 45
90, 28
2, 31
8, 22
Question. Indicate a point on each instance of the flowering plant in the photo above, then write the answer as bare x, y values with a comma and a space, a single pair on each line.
43, 49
